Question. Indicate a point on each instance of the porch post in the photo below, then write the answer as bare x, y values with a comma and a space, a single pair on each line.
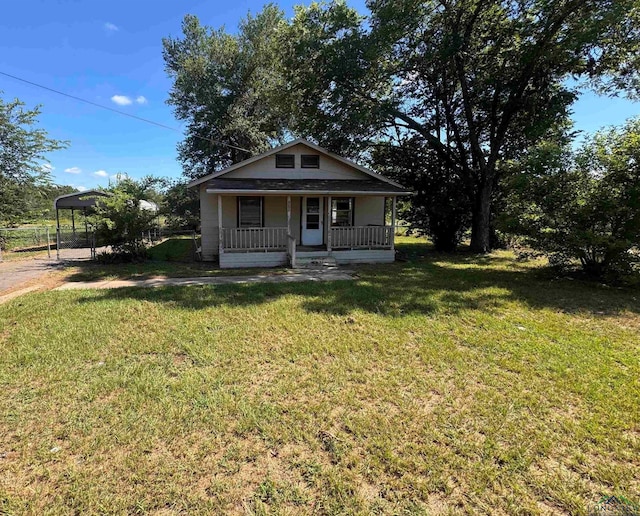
220, 235
289, 216
393, 222
329, 224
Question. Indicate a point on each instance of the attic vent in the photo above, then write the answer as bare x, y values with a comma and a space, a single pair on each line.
310, 161
285, 161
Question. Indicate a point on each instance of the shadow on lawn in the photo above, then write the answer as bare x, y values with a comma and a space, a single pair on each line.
427, 284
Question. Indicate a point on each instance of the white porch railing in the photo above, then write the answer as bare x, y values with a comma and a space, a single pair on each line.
362, 237
254, 239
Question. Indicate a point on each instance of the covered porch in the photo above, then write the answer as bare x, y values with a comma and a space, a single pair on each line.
293, 228
260, 222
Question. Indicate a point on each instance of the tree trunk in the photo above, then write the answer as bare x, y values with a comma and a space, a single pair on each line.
481, 219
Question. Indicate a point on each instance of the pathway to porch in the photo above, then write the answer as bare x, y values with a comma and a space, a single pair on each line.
292, 277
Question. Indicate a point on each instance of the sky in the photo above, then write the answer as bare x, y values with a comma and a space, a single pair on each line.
111, 53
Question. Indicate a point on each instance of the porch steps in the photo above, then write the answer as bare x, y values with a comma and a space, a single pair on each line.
315, 262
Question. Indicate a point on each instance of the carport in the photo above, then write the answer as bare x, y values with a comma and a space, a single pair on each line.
83, 203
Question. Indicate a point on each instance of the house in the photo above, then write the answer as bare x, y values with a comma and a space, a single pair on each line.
296, 203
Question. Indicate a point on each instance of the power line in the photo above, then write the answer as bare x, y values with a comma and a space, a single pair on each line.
123, 113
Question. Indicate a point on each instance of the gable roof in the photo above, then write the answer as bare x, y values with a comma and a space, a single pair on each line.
286, 146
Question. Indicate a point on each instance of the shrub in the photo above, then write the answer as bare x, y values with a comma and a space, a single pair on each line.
587, 210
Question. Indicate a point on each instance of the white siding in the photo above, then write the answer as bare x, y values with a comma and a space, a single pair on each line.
265, 168
241, 260
209, 224
369, 211
364, 256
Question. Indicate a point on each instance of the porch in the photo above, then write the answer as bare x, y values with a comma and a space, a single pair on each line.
315, 227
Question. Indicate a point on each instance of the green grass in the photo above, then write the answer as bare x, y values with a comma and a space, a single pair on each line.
176, 249
437, 385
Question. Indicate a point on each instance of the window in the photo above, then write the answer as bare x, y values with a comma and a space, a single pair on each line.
342, 211
313, 212
249, 212
285, 161
310, 161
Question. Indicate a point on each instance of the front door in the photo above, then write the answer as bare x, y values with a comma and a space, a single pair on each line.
312, 220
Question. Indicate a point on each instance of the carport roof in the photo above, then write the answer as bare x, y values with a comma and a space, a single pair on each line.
85, 199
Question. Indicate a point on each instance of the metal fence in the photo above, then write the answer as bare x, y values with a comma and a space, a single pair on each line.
68, 243
28, 242
74, 244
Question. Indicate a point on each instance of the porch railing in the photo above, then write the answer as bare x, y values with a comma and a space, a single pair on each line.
254, 239
362, 237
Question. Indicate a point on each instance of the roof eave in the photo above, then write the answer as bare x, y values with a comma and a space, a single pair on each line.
245, 191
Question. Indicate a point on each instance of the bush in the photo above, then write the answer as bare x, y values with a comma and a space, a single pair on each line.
587, 210
121, 221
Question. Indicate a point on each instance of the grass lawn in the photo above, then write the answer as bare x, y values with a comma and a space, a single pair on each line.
171, 258
437, 385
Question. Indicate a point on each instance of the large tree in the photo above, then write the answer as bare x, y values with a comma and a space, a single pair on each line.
477, 81
23, 149
222, 84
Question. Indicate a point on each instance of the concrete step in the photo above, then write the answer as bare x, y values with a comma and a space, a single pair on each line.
315, 262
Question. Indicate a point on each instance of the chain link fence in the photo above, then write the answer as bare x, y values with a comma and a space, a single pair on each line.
68, 243
29, 242
74, 244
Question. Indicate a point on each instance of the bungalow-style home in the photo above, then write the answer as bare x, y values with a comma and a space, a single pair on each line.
294, 204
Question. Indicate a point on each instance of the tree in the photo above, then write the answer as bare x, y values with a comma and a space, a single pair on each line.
477, 81
122, 222
440, 208
222, 86
23, 149
583, 207
181, 206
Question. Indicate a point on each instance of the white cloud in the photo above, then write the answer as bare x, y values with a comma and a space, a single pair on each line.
141, 100
111, 27
73, 170
121, 100
101, 173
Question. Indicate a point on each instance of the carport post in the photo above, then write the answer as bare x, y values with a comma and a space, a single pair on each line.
58, 244
86, 226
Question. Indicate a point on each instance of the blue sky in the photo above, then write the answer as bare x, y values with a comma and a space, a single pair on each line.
111, 53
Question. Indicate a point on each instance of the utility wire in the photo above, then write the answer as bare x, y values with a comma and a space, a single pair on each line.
123, 113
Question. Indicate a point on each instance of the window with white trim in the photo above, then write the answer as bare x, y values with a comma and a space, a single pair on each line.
250, 212
342, 211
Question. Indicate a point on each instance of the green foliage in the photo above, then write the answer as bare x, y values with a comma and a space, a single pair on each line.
584, 207
222, 86
121, 222
181, 206
23, 174
441, 206
478, 82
